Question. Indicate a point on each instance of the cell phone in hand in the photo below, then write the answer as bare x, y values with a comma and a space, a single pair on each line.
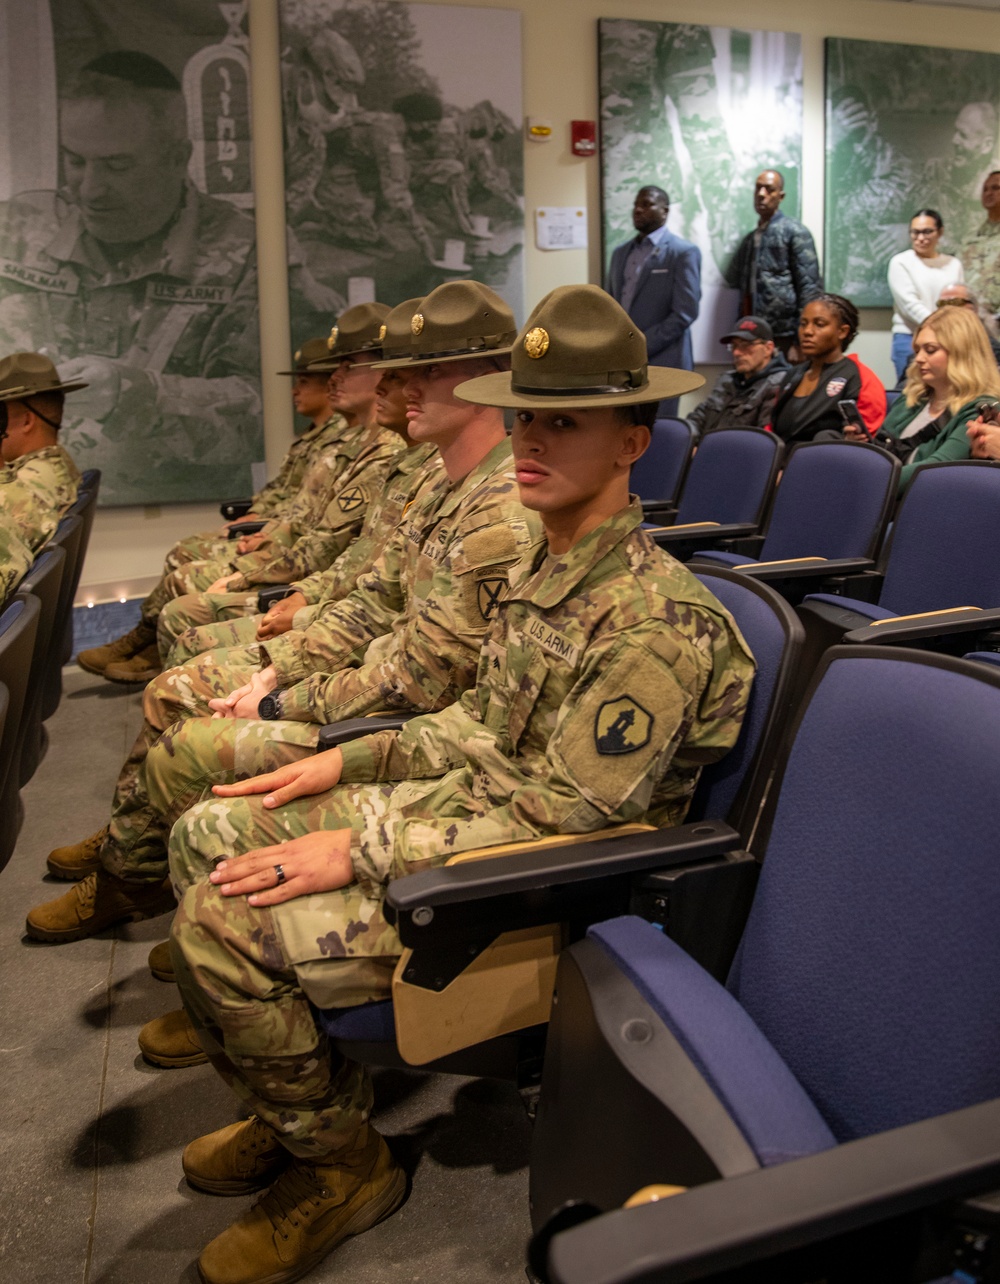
990, 413
851, 415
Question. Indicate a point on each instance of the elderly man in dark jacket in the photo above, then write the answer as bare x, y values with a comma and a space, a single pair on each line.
744, 396
776, 268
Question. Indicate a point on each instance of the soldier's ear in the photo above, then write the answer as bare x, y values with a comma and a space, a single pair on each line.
634, 444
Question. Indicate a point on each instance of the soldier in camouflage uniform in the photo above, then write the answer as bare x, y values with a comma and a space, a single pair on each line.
184, 631
408, 636
323, 518
143, 286
607, 678
981, 253
39, 480
309, 397
15, 557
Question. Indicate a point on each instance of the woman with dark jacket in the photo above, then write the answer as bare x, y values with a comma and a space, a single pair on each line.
807, 407
951, 377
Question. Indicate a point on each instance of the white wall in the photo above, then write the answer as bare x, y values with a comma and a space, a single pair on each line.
560, 80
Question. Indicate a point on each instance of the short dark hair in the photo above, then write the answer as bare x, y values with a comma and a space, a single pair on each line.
643, 413
126, 77
658, 192
847, 312
939, 221
48, 406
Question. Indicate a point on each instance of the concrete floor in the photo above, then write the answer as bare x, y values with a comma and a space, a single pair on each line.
91, 1136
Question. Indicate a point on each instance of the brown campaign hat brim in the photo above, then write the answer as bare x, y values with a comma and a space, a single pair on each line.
25, 394
495, 390
404, 363
328, 364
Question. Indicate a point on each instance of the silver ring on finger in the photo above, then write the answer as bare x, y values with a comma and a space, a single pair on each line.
280, 874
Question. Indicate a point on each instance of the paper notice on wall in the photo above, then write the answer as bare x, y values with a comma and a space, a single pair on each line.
561, 227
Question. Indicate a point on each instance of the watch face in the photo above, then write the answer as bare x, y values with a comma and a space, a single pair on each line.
268, 707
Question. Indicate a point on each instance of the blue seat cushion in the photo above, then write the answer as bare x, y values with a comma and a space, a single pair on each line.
868, 609
723, 558
984, 657
750, 1079
369, 1023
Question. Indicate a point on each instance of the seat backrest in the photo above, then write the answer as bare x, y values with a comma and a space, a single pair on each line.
731, 477
18, 629
943, 549
871, 957
91, 480
833, 500
43, 581
660, 471
732, 788
69, 536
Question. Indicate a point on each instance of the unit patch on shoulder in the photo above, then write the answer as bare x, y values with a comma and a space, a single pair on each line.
352, 499
622, 726
489, 595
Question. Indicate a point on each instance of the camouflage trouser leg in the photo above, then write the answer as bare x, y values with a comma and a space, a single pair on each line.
258, 1027
195, 577
194, 610
135, 848
240, 632
206, 546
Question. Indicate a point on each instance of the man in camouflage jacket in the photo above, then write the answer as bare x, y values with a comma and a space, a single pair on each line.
607, 678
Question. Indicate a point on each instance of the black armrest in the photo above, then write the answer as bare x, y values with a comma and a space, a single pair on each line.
245, 528
658, 510
907, 630
523, 887
338, 733
839, 619
684, 541
267, 597
233, 508
804, 568
725, 1224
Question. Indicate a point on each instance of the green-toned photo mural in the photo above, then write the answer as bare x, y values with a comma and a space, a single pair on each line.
908, 127
403, 147
699, 111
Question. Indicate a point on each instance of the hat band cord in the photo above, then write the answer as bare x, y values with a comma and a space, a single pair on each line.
485, 343
633, 381
25, 402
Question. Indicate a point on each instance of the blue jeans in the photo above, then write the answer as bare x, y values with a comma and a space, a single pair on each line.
902, 353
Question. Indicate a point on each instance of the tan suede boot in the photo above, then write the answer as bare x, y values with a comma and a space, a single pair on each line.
98, 901
236, 1160
308, 1211
170, 1041
160, 963
143, 666
97, 658
79, 859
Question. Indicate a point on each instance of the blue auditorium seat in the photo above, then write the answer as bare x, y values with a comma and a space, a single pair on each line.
657, 476
853, 1053
726, 490
828, 518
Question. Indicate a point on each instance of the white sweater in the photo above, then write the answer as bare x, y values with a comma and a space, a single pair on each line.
916, 286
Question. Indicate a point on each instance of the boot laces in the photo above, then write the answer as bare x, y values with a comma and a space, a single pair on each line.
86, 891
294, 1197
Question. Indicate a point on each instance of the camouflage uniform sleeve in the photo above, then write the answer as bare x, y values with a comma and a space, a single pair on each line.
279, 493
429, 657
638, 699
341, 523
804, 264
35, 493
426, 747
15, 557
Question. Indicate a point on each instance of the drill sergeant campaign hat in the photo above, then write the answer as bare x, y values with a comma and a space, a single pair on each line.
578, 349
25, 373
312, 350
396, 332
358, 330
458, 320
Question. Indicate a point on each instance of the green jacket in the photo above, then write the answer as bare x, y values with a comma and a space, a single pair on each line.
950, 443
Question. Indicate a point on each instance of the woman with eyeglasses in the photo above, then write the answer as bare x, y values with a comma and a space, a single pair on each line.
950, 381
916, 279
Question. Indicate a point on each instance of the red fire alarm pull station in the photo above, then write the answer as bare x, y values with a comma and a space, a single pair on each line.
584, 137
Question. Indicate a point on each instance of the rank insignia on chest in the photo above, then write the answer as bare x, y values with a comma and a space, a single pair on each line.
351, 499
622, 726
490, 593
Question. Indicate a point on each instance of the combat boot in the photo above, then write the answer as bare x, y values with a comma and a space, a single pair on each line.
171, 1042
97, 658
237, 1160
308, 1211
160, 963
97, 902
77, 861
143, 666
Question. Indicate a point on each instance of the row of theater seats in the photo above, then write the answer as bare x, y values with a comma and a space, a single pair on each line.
36, 640
798, 987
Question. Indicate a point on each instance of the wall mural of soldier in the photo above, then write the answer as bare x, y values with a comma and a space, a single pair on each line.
130, 261
907, 126
699, 111
403, 138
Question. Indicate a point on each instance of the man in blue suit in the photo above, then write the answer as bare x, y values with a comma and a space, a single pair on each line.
656, 277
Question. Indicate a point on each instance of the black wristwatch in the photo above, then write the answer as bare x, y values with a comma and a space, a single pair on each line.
269, 707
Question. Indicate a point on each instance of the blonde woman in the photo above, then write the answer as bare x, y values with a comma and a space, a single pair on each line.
951, 376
